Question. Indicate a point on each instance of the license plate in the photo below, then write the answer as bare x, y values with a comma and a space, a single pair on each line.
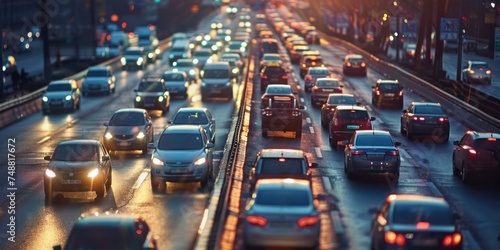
56, 103
352, 126
375, 155
71, 181
216, 91
180, 170
275, 80
149, 105
389, 94
425, 242
123, 144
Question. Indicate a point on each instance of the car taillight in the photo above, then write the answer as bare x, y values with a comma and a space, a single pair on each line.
358, 152
401, 93
267, 113
304, 65
393, 153
349, 64
308, 78
335, 122
377, 92
264, 77
393, 238
257, 220
307, 221
492, 139
452, 240
363, 65
471, 71
296, 113
418, 118
284, 77
442, 119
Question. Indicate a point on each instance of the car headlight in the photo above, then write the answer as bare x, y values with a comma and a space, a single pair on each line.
68, 97
204, 43
150, 55
156, 161
27, 46
195, 61
140, 60
171, 56
93, 173
191, 45
227, 38
123, 60
175, 70
214, 47
140, 135
50, 173
213, 26
45, 99
137, 98
108, 135
235, 71
157, 51
203, 84
192, 72
200, 161
209, 60
160, 98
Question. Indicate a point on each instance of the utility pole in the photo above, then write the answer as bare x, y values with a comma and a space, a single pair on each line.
47, 66
2, 16
92, 27
460, 42
398, 38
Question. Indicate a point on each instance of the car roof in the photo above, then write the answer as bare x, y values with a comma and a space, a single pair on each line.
482, 135
278, 153
350, 107
354, 56
98, 68
185, 60
417, 199
372, 132
111, 220
79, 141
130, 110
61, 82
283, 183
182, 129
192, 109
426, 104
388, 81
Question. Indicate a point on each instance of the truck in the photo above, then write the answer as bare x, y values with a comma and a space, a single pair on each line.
281, 113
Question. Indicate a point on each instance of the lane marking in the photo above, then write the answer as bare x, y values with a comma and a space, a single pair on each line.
404, 153
318, 152
311, 129
337, 223
469, 242
434, 189
46, 138
327, 184
141, 178
308, 120
302, 99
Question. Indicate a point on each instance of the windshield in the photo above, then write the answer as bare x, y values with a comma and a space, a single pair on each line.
127, 119
353, 114
272, 58
215, 73
318, 72
389, 86
150, 87
412, 213
428, 109
133, 53
104, 237
374, 140
196, 118
202, 53
292, 198
97, 73
184, 64
173, 142
355, 60
342, 100
59, 87
282, 166
278, 90
328, 84
76, 152
173, 77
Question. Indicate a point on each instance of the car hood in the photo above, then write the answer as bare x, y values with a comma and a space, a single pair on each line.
95, 79
124, 130
179, 155
68, 166
57, 94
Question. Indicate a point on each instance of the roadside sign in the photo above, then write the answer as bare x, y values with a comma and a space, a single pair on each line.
410, 29
449, 28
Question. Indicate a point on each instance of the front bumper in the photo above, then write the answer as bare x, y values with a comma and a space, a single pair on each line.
190, 173
125, 144
282, 237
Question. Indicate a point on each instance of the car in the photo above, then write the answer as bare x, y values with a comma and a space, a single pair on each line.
196, 116
77, 166
234, 62
296, 53
345, 121
61, 95
276, 89
323, 88
281, 213
369, 148
311, 53
290, 41
99, 79
478, 71
280, 163
273, 73
110, 231
477, 153
128, 129
202, 56
425, 118
189, 161
313, 73
412, 221
310, 61
281, 113
134, 57
177, 83
216, 80
331, 104
354, 64
313, 37
268, 45
270, 58
240, 46
152, 94
179, 50
387, 92
186, 65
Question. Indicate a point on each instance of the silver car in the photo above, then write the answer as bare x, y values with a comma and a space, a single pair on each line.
312, 75
477, 71
61, 95
187, 66
98, 80
196, 116
183, 154
281, 213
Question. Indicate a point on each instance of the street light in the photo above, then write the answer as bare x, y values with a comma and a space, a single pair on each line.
398, 39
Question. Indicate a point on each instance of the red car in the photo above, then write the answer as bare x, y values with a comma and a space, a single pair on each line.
346, 120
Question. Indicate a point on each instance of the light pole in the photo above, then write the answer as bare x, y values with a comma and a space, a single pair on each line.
398, 38
460, 42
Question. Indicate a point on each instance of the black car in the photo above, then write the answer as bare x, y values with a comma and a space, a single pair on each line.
354, 64
476, 153
272, 74
78, 166
388, 92
410, 221
331, 103
425, 118
152, 94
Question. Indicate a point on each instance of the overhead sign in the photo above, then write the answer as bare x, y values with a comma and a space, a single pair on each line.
409, 29
449, 28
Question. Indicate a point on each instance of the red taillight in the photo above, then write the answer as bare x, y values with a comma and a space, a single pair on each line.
423, 225
307, 221
492, 139
393, 238
267, 113
257, 220
284, 77
442, 119
417, 118
393, 153
401, 93
452, 240
358, 152
264, 77
308, 77
377, 92
363, 65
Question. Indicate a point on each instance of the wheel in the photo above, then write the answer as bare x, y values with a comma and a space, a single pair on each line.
409, 134
312, 101
456, 171
78, 105
110, 180
350, 174
145, 149
445, 137
333, 141
157, 186
374, 103
465, 175
204, 182
401, 129
323, 123
100, 191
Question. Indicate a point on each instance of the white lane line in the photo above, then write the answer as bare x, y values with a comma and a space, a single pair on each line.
404, 153
311, 129
337, 223
308, 120
44, 139
327, 184
435, 191
302, 99
141, 178
469, 242
318, 152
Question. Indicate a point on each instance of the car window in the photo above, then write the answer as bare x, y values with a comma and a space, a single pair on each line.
278, 90
133, 53
171, 142
428, 109
97, 73
318, 72
281, 102
487, 144
271, 58
389, 86
184, 64
173, 77
341, 100
374, 140
127, 119
331, 84
479, 66
292, 198
59, 87
150, 87
317, 60
412, 213
352, 114
270, 46
202, 53
281, 166
196, 118
274, 70
215, 73
76, 152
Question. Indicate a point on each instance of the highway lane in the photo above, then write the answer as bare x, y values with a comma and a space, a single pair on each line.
173, 216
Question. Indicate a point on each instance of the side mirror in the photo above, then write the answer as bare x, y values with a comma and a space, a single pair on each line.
345, 142
372, 118
456, 143
210, 145
58, 247
47, 158
314, 165
106, 124
151, 145
212, 121
302, 107
373, 210
397, 144
169, 122
149, 124
105, 158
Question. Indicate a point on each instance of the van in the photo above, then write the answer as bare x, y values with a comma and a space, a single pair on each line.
216, 80
179, 50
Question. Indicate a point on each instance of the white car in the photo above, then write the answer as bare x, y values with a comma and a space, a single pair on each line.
99, 80
61, 95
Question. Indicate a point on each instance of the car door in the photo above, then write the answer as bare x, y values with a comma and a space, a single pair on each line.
105, 165
459, 153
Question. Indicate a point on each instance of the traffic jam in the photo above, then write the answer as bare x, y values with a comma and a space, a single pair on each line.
331, 152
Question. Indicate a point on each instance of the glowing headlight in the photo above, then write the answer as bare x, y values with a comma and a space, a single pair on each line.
27, 46
207, 37
123, 60
219, 26
93, 173
68, 97
242, 49
21, 39
174, 63
192, 72
235, 71
219, 44
137, 98
108, 135
50, 173
214, 47
213, 26
244, 44
45, 99
139, 61
157, 51
200, 161
140, 135
191, 45
195, 61
228, 84
4, 68
150, 55
241, 24
160, 98
248, 24
209, 60
156, 161
175, 70
227, 38
30, 34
